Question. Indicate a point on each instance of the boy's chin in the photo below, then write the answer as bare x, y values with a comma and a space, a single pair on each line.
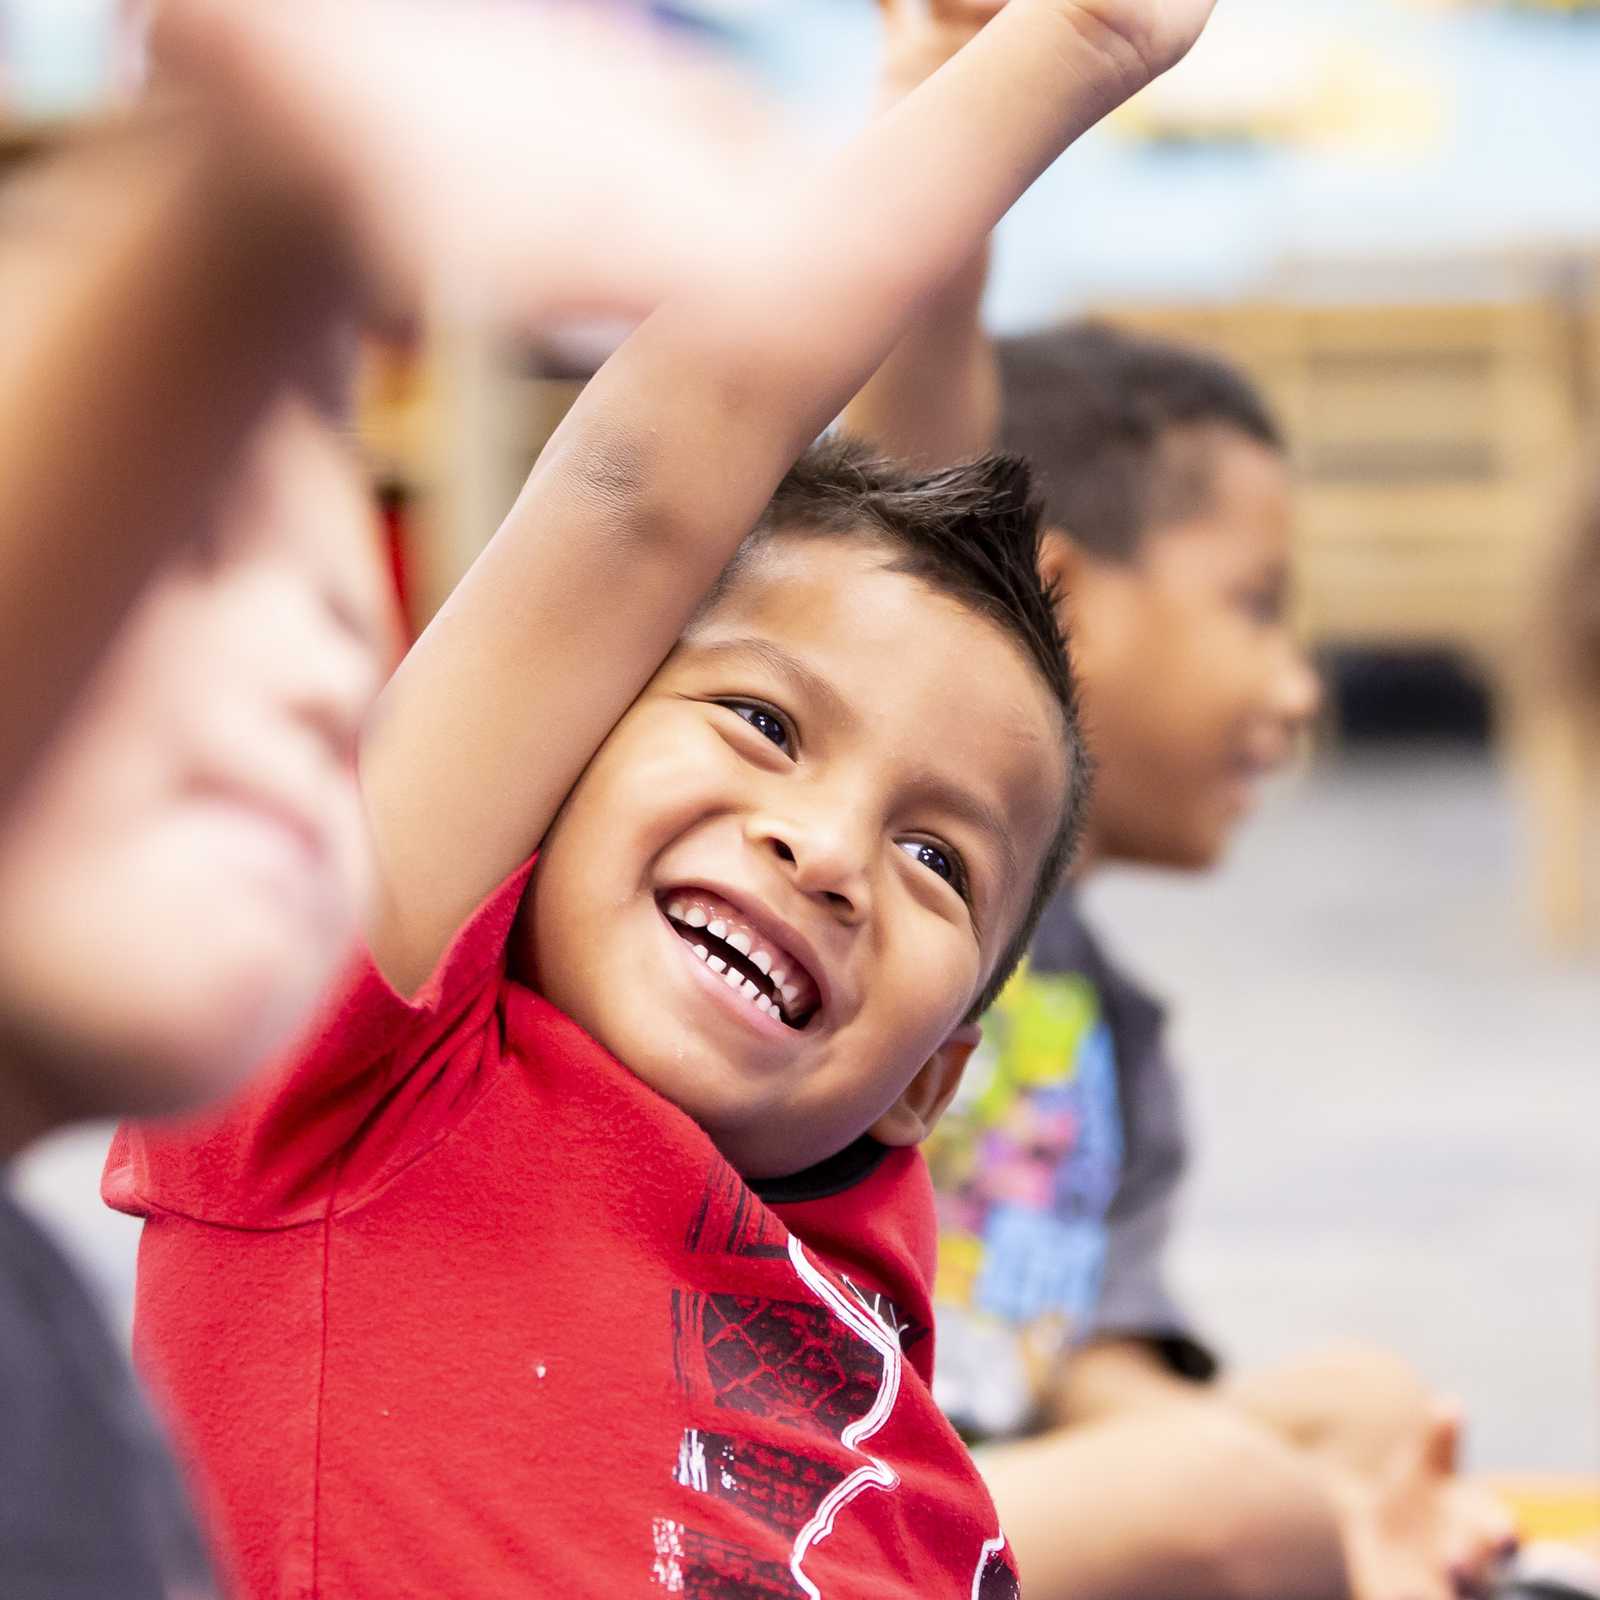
1197, 841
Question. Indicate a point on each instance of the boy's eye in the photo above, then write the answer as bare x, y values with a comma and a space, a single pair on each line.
768, 724
1266, 603
934, 859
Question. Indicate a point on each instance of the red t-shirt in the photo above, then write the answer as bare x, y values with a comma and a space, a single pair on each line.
457, 1306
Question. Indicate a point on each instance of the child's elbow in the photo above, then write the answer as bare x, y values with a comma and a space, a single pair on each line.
617, 476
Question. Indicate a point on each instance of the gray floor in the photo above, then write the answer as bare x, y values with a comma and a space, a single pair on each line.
1397, 1099
1397, 1096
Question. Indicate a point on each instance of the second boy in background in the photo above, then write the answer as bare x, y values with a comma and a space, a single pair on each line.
1137, 1470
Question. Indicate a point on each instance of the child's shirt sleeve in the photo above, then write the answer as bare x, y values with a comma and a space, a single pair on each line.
377, 1082
1136, 1299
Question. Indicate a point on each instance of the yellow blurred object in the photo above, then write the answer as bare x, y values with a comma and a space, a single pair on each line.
1344, 98
1552, 1506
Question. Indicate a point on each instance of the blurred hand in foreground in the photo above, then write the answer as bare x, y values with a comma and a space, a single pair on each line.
507, 161
1414, 1529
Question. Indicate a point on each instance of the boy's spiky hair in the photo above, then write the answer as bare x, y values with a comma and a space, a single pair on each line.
1101, 413
970, 532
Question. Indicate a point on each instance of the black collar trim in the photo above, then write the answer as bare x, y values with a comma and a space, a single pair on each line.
827, 1178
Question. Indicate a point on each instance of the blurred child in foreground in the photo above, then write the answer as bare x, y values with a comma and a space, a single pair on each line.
1140, 1471
193, 619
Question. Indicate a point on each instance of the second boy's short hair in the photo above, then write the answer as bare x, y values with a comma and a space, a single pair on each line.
1096, 409
970, 532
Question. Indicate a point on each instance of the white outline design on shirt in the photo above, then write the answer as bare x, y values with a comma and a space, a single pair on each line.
875, 1474
991, 1547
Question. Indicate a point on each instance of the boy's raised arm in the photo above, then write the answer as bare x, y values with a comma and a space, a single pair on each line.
673, 450
936, 399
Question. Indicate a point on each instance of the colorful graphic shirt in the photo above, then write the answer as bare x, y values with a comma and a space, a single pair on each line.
1055, 1170
458, 1306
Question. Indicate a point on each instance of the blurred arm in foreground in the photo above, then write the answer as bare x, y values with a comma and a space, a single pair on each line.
167, 278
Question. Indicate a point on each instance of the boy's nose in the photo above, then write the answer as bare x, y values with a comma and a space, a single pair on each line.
1298, 688
820, 860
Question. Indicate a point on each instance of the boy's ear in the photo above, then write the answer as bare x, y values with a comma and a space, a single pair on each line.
914, 1115
1060, 560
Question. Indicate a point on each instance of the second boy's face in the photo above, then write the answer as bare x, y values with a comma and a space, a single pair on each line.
1193, 686
778, 887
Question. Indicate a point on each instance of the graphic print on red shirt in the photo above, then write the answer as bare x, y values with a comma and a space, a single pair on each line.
828, 1365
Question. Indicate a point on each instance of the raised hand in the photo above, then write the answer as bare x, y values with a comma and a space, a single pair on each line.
919, 36
1155, 34
1139, 38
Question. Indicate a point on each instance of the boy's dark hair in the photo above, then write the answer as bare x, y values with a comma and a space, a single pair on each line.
970, 532
1096, 410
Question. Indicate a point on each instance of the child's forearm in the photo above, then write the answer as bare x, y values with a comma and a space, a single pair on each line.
159, 295
936, 399
866, 250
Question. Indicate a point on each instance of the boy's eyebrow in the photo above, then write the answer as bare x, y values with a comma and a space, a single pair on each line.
785, 664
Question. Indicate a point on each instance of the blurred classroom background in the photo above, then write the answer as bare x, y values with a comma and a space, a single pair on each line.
1388, 1002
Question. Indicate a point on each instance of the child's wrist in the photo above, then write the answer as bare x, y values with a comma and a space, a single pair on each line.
1111, 56
908, 64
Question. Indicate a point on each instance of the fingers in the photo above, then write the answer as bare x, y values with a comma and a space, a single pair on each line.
1441, 1439
1480, 1537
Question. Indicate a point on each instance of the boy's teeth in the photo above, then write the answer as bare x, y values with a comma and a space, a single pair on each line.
785, 999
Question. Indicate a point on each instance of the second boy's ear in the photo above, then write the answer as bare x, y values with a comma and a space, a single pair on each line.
914, 1115
1060, 559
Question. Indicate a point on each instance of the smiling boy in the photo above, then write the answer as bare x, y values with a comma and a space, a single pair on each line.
496, 1299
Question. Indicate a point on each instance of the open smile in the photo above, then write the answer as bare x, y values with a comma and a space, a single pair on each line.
744, 956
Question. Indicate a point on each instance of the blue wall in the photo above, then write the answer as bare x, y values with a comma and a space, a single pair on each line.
1515, 158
